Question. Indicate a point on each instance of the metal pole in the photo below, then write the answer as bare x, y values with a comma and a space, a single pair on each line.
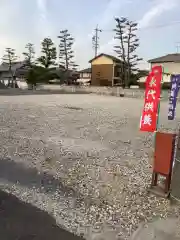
158, 113
96, 40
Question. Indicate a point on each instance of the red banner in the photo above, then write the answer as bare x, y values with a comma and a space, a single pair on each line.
149, 116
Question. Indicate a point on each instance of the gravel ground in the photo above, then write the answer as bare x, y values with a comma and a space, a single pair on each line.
82, 159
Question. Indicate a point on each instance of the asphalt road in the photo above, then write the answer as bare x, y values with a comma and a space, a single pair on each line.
22, 221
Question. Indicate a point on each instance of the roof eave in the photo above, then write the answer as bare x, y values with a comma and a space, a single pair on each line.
114, 59
153, 61
90, 61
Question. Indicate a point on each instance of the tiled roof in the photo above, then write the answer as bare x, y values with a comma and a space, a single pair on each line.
15, 65
87, 70
175, 57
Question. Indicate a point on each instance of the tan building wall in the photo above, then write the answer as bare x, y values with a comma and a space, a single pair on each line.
102, 75
102, 71
102, 60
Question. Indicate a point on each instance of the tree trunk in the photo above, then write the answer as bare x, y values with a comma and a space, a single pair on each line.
12, 77
128, 57
14, 82
123, 52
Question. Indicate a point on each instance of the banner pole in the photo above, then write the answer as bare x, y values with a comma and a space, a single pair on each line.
158, 113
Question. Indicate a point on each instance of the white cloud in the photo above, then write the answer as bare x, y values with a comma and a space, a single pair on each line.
108, 48
42, 8
111, 11
157, 10
44, 23
9, 12
13, 35
106, 18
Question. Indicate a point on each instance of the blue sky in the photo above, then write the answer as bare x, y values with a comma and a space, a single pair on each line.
23, 21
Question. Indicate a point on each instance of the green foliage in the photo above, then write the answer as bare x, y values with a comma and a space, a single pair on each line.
166, 86
38, 74
29, 54
49, 53
134, 77
66, 54
9, 57
142, 73
31, 77
125, 33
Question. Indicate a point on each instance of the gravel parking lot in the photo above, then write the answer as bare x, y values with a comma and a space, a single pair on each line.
82, 159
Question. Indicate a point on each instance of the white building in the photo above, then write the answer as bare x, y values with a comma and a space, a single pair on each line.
170, 64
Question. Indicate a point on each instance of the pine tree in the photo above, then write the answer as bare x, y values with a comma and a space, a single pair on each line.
125, 32
120, 48
66, 54
29, 54
8, 58
132, 44
49, 53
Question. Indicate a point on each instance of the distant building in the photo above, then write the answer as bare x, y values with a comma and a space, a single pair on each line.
85, 76
19, 70
106, 70
170, 64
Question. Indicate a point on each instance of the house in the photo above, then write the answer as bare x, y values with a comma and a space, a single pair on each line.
170, 64
19, 69
106, 70
85, 76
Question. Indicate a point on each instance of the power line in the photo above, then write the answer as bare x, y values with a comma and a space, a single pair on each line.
161, 25
150, 27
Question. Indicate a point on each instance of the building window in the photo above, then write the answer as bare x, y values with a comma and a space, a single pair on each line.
117, 71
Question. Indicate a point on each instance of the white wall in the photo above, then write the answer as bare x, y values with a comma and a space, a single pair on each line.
166, 78
169, 67
85, 75
21, 84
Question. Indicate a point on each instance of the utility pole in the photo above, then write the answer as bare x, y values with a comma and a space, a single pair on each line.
95, 40
177, 46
